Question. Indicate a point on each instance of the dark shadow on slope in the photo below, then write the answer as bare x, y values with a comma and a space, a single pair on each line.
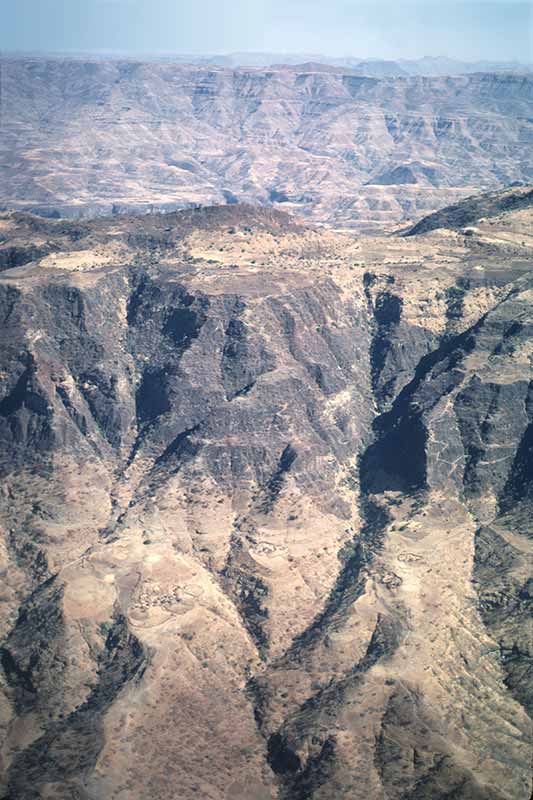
249, 593
505, 591
397, 459
184, 324
151, 399
25, 393
69, 747
519, 485
275, 483
179, 447
350, 581
300, 781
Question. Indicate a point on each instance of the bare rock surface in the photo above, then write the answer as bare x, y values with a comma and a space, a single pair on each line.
265, 509
365, 151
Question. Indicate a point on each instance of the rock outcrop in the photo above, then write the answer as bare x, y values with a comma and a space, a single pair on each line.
265, 505
81, 138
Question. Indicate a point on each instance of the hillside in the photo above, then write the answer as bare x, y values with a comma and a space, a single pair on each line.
475, 209
99, 137
264, 509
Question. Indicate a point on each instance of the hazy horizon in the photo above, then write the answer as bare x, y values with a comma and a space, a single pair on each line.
491, 30
293, 57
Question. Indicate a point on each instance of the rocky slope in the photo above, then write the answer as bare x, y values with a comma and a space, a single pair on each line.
492, 204
82, 137
265, 505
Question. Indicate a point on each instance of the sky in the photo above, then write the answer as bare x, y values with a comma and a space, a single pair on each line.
496, 30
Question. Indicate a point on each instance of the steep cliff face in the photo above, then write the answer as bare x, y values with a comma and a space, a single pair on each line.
82, 138
264, 523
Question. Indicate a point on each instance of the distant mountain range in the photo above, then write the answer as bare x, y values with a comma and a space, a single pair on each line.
96, 137
379, 67
428, 65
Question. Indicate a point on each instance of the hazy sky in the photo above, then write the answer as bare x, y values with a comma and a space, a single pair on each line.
484, 29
